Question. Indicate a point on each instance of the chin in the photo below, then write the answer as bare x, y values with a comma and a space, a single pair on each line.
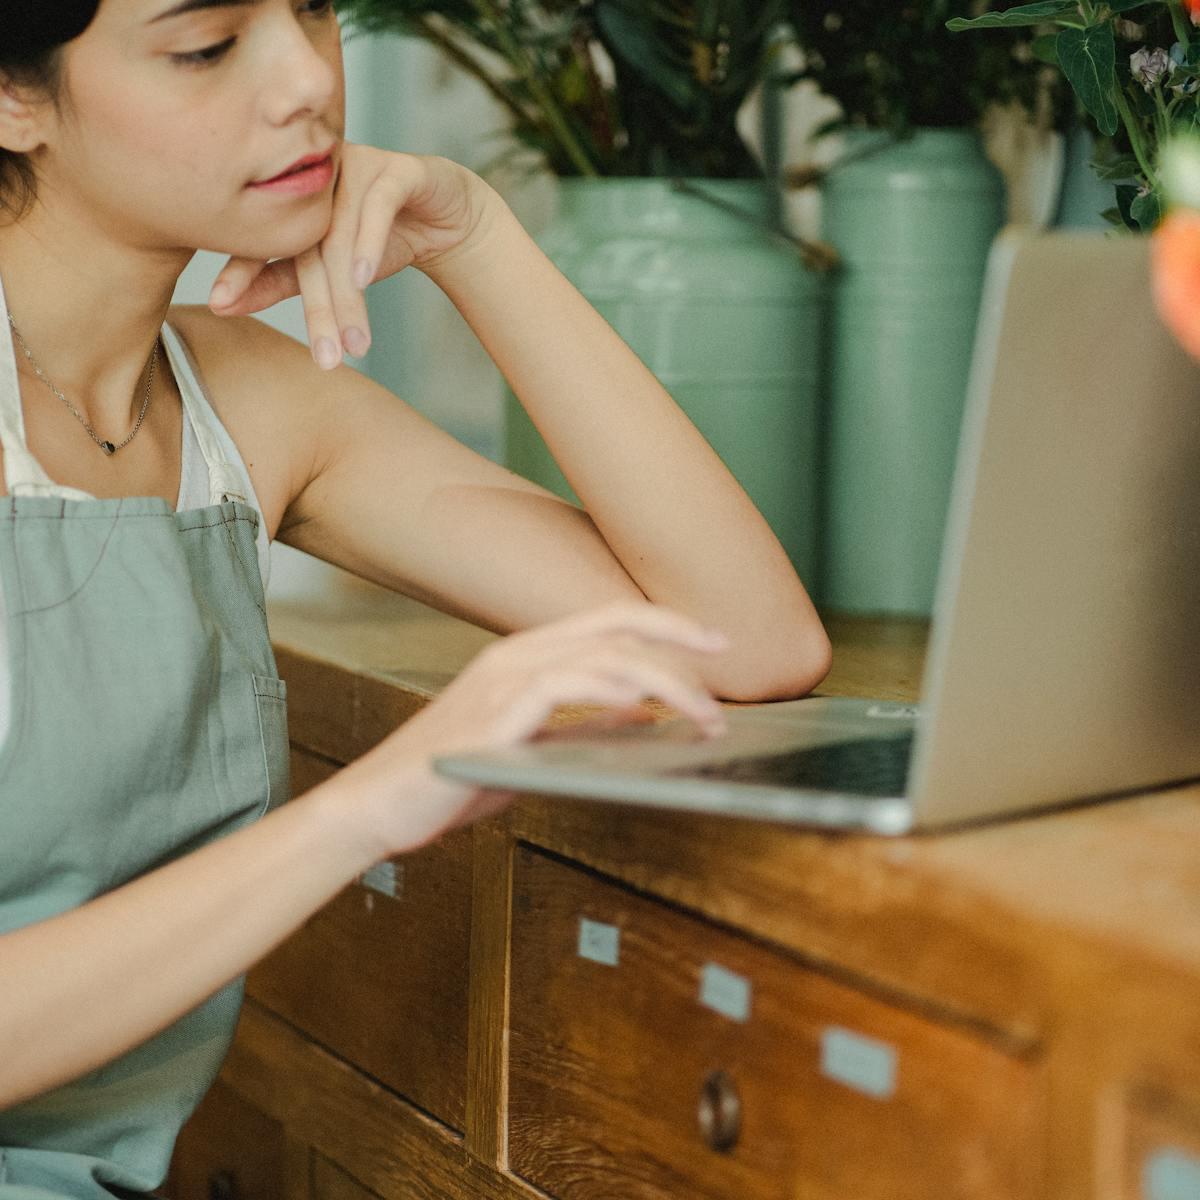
285, 238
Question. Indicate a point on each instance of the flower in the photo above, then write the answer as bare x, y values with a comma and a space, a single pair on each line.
1175, 268
1175, 243
1150, 67
1135, 101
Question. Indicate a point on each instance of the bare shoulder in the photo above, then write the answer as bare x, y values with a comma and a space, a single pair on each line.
265, 388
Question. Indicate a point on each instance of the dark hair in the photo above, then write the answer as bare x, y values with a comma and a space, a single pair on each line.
30, 56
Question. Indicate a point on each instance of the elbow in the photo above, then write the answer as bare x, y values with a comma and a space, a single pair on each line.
786, 669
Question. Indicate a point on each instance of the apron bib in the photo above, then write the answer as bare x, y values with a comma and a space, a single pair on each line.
147, 719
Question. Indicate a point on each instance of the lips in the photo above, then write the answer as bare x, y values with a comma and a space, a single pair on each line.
309, 160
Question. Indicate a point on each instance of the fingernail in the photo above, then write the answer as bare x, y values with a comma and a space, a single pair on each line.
355, 341
327, 353
362, 273
220, 295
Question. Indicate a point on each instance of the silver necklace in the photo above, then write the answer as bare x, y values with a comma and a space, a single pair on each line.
108, 447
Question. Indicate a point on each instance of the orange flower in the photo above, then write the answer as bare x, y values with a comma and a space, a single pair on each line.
1175, 261
1193, 7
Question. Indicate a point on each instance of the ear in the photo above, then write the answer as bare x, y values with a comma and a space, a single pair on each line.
22, 116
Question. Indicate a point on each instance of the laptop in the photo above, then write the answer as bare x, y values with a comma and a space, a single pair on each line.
1064, 655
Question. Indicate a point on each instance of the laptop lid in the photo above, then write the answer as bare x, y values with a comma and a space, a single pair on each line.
1065, 659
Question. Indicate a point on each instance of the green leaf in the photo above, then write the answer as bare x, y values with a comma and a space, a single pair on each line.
1124, 167
1146, 210
1120, 6
1126, 194
1088, 58
1023, 14
636, 43
1043, 48
1187, 121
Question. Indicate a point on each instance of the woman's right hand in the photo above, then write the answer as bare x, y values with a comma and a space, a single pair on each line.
612, 656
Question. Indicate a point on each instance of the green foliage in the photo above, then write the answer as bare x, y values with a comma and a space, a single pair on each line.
1088, 60
680, 71
897, 66
1134, 66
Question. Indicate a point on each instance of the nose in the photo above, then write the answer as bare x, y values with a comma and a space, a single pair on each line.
304, 76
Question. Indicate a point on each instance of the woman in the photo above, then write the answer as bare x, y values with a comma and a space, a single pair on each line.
146, 860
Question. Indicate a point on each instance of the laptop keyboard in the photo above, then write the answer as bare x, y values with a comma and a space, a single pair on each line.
868, 766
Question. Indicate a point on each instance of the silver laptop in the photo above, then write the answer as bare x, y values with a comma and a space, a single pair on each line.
1064, 661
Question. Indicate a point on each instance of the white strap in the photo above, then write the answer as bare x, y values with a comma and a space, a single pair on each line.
225, 481
24, 475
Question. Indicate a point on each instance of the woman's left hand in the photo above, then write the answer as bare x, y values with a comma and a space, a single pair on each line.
390, 211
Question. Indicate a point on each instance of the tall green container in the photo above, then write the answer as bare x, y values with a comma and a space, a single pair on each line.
724, 315
1082, 194
913, 222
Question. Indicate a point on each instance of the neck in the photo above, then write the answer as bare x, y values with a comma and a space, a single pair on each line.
88, 308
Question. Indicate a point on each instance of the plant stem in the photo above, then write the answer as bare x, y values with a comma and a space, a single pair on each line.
461, 58
1135, 135
541, 94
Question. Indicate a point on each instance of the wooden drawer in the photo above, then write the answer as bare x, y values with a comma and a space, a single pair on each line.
330, 1182
230, 1150
656, 1055
381, 979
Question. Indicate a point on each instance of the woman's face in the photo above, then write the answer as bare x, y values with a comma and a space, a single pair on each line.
172, 108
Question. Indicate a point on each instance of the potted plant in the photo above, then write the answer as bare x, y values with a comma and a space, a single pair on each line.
911, 207
665, 219
1135, 67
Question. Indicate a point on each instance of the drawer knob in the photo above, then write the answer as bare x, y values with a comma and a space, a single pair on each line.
222, 1185
720, 1112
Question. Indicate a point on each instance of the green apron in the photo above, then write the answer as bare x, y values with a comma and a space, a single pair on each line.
147, 718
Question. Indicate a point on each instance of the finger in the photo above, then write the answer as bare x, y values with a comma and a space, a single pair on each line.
349, 308
384, 199
687, 696
602, 722
337, 250
274, 282
545, 693
537, 699
323, 335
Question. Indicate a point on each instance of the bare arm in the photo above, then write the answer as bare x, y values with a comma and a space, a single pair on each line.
186, 929
664, 518
182, 932
668, 508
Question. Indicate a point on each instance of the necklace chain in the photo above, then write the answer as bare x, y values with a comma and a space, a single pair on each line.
108, 447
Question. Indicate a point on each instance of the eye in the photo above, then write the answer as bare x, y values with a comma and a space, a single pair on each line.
206, 56
317, 7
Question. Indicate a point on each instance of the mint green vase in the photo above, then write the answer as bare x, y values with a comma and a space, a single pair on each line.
724, 315
913, 222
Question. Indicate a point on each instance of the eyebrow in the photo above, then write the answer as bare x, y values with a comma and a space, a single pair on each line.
187, 6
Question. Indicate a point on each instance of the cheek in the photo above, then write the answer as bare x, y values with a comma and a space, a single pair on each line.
129, 143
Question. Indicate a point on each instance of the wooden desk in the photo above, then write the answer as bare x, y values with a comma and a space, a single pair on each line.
590, 1001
